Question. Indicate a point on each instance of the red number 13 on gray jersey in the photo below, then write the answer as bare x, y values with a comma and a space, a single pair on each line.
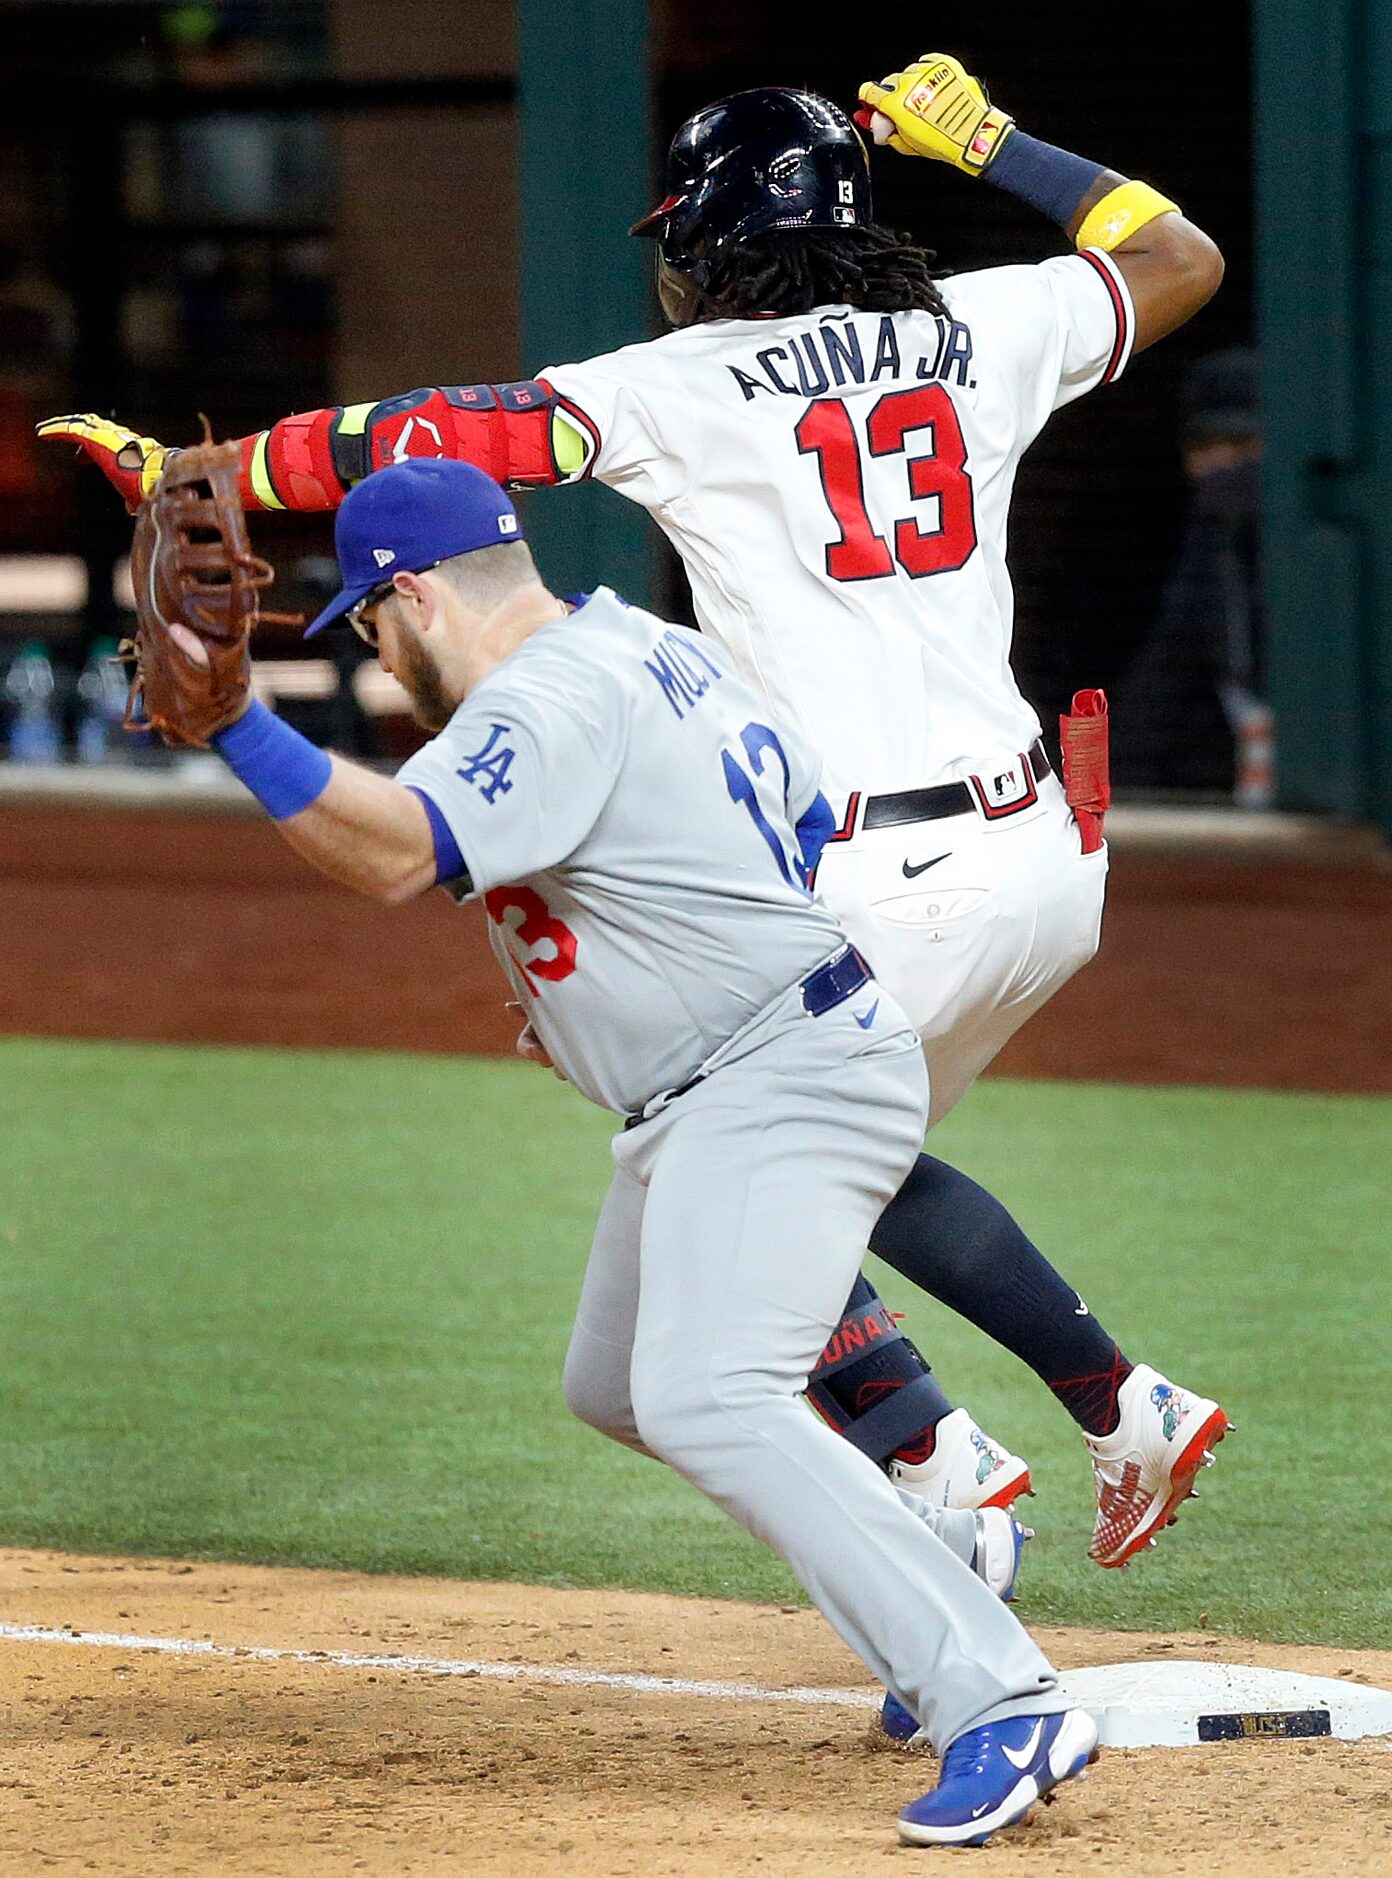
541, 945
827, 431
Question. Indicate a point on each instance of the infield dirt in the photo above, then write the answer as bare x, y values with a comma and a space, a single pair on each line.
122, 1761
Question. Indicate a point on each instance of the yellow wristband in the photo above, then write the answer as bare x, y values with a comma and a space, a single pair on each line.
261, 475
1119, 215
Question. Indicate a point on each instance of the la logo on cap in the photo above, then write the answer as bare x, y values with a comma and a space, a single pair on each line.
384, 556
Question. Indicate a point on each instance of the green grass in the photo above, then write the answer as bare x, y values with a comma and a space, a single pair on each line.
298, 1307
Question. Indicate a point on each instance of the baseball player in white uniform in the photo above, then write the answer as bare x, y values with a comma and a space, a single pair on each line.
830, 436
633, 820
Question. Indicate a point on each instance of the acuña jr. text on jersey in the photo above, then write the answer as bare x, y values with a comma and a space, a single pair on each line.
845, 351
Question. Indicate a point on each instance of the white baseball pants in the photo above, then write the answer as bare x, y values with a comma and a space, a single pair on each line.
970, 924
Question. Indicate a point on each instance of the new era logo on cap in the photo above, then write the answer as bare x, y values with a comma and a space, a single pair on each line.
384, 556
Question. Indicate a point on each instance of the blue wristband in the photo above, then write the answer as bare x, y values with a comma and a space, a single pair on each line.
282, 769
1049, 179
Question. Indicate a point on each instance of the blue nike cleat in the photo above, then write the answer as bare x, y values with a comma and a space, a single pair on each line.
992, 1776
996, 1561
896, 1721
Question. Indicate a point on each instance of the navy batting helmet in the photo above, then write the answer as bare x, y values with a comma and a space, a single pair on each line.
770, 158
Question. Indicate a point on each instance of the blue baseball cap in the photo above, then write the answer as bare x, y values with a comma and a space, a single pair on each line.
409, 517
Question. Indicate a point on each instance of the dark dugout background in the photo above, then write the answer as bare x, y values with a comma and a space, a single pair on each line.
385, 251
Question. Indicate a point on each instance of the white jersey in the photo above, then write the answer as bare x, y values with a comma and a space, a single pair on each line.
629, 815
838, 486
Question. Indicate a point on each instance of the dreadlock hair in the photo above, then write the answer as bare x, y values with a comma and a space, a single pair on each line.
792, 270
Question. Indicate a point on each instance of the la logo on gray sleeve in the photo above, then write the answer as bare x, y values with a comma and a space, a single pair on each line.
487, 769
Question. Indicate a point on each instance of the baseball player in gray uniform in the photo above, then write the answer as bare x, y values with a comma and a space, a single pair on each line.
630, 816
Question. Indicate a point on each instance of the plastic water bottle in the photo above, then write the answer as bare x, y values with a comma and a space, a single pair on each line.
102, 689
1255, 727
29, 688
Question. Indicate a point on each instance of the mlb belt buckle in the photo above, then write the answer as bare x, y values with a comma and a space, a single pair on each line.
1001, 792
1013, 787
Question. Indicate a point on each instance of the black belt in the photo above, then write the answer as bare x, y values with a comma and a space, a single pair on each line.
955, 798
822, 990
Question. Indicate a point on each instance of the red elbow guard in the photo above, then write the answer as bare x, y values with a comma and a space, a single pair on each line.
311, 460
503, 429
1087, 783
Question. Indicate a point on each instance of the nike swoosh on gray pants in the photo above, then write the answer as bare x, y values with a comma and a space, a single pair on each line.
729, 1240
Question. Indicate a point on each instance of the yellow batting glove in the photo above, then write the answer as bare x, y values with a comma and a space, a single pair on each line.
132, 464
935, 108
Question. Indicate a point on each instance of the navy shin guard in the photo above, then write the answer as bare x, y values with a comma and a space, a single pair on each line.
872, 1384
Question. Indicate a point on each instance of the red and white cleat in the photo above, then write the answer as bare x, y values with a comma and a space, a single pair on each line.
1145, 1469
966, 1469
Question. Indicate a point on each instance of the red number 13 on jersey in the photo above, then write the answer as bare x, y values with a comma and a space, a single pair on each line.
542, 945
826, 430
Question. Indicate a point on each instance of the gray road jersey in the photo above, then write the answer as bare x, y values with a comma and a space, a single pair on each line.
626, 808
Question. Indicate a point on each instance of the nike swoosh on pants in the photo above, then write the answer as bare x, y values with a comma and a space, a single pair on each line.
912, 873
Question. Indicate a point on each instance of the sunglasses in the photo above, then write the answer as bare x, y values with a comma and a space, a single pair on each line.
367, 629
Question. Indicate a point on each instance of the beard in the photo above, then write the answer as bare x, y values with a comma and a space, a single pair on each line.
420, 679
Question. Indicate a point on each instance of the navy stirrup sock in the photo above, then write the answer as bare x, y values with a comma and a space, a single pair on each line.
949, 1236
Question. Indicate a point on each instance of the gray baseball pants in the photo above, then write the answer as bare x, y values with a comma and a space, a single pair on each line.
730, 1237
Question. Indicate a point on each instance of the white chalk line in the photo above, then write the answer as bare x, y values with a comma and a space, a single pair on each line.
553, 1673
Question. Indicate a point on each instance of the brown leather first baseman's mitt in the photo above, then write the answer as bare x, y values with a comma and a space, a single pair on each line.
196, 586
